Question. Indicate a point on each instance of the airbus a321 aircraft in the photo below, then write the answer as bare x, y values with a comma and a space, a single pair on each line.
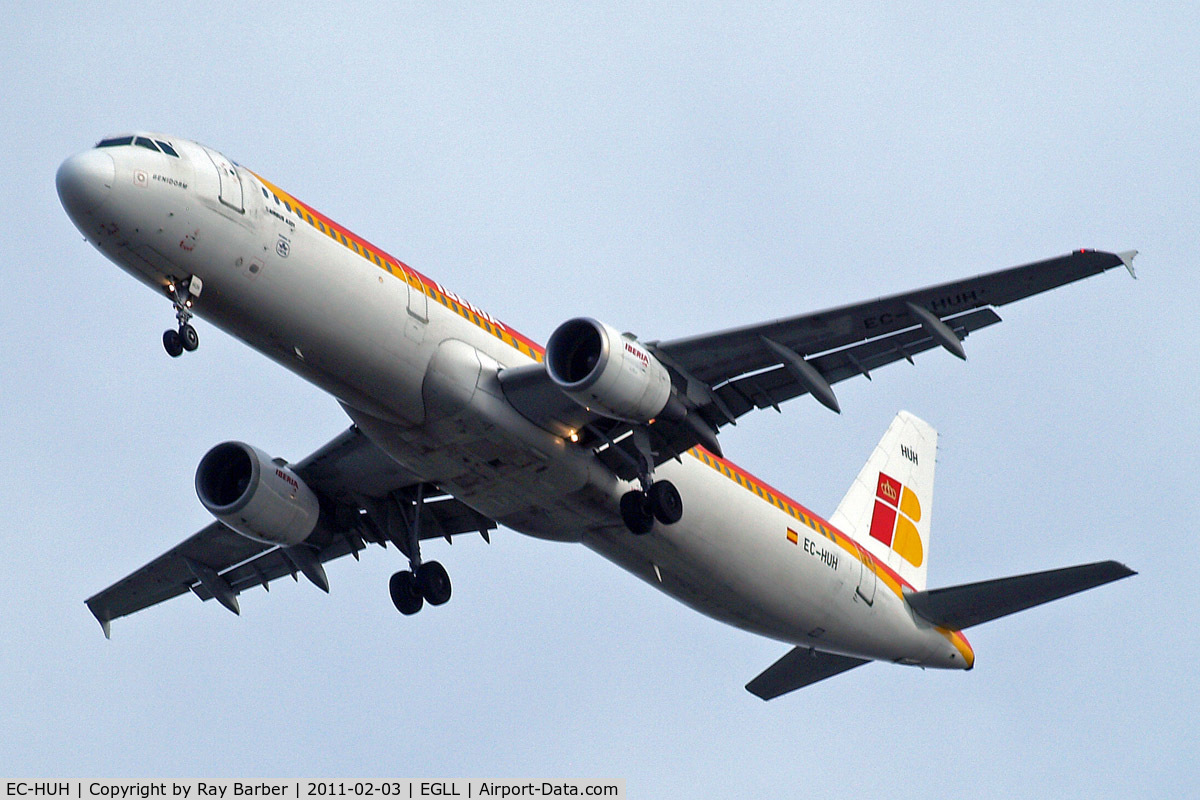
461, 424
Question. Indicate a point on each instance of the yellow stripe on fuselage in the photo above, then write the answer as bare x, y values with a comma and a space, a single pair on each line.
769, 494
523, 344
394, 266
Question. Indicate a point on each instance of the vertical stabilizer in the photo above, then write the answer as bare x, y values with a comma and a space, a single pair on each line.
888, 507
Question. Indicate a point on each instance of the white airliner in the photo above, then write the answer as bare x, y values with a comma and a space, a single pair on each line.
461, 424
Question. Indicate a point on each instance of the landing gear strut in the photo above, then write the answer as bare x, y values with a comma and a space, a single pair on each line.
422, 583
656, 500
185, 337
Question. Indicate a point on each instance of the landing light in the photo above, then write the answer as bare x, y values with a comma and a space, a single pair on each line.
171, 287
573, 436
188, 302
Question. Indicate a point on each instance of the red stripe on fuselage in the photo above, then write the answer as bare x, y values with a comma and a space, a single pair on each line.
365, 249
749, 482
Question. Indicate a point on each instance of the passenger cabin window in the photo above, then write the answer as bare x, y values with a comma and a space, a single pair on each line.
115, 142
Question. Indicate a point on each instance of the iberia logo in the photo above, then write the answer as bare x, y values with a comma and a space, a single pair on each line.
896, 512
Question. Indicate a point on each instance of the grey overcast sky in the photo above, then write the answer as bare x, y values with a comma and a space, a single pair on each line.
671, 169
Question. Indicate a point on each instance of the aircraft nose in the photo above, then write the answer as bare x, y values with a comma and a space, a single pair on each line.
85, 181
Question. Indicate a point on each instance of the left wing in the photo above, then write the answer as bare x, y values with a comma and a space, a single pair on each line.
721, 376
372, 498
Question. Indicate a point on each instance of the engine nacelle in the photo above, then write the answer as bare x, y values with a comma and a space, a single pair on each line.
254, 496
607, 372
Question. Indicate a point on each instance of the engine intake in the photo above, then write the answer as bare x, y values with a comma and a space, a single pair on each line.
243, 488
607, 372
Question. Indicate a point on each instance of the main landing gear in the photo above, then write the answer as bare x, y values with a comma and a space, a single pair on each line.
656, 500
661, 502
422, 583
410, 590
185, 337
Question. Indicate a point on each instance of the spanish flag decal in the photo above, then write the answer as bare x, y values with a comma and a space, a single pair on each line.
897, 511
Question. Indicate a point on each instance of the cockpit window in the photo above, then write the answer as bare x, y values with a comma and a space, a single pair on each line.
157, 145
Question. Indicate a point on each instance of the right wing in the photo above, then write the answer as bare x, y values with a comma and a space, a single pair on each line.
726, 374
741, 371
373, 495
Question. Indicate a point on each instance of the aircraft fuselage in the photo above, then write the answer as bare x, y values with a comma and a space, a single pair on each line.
415, 366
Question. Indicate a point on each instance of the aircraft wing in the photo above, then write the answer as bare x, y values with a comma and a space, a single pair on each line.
354, 476
853, 339
726, 374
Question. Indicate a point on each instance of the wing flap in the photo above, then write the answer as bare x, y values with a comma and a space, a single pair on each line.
958, 607
799, 668
720, 356
769, 388
168, 575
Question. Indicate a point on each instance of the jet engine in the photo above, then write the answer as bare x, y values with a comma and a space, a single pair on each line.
255, 496
607, 372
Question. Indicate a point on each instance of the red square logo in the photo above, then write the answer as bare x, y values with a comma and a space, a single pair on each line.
883, 523
888, 490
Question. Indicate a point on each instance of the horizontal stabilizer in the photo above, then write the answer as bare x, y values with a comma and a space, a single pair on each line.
958, 607
800, 667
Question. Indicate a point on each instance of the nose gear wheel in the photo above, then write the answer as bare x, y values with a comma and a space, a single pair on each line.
184, 337
173, 343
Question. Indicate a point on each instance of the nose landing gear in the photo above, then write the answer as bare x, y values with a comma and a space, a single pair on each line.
185, 337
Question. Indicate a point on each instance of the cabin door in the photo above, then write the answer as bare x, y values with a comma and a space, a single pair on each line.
231, 183
867, 577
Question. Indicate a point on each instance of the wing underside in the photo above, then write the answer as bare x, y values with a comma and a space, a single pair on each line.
375, 500
722, 376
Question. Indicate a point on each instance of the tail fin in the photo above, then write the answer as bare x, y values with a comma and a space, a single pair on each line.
888, 507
